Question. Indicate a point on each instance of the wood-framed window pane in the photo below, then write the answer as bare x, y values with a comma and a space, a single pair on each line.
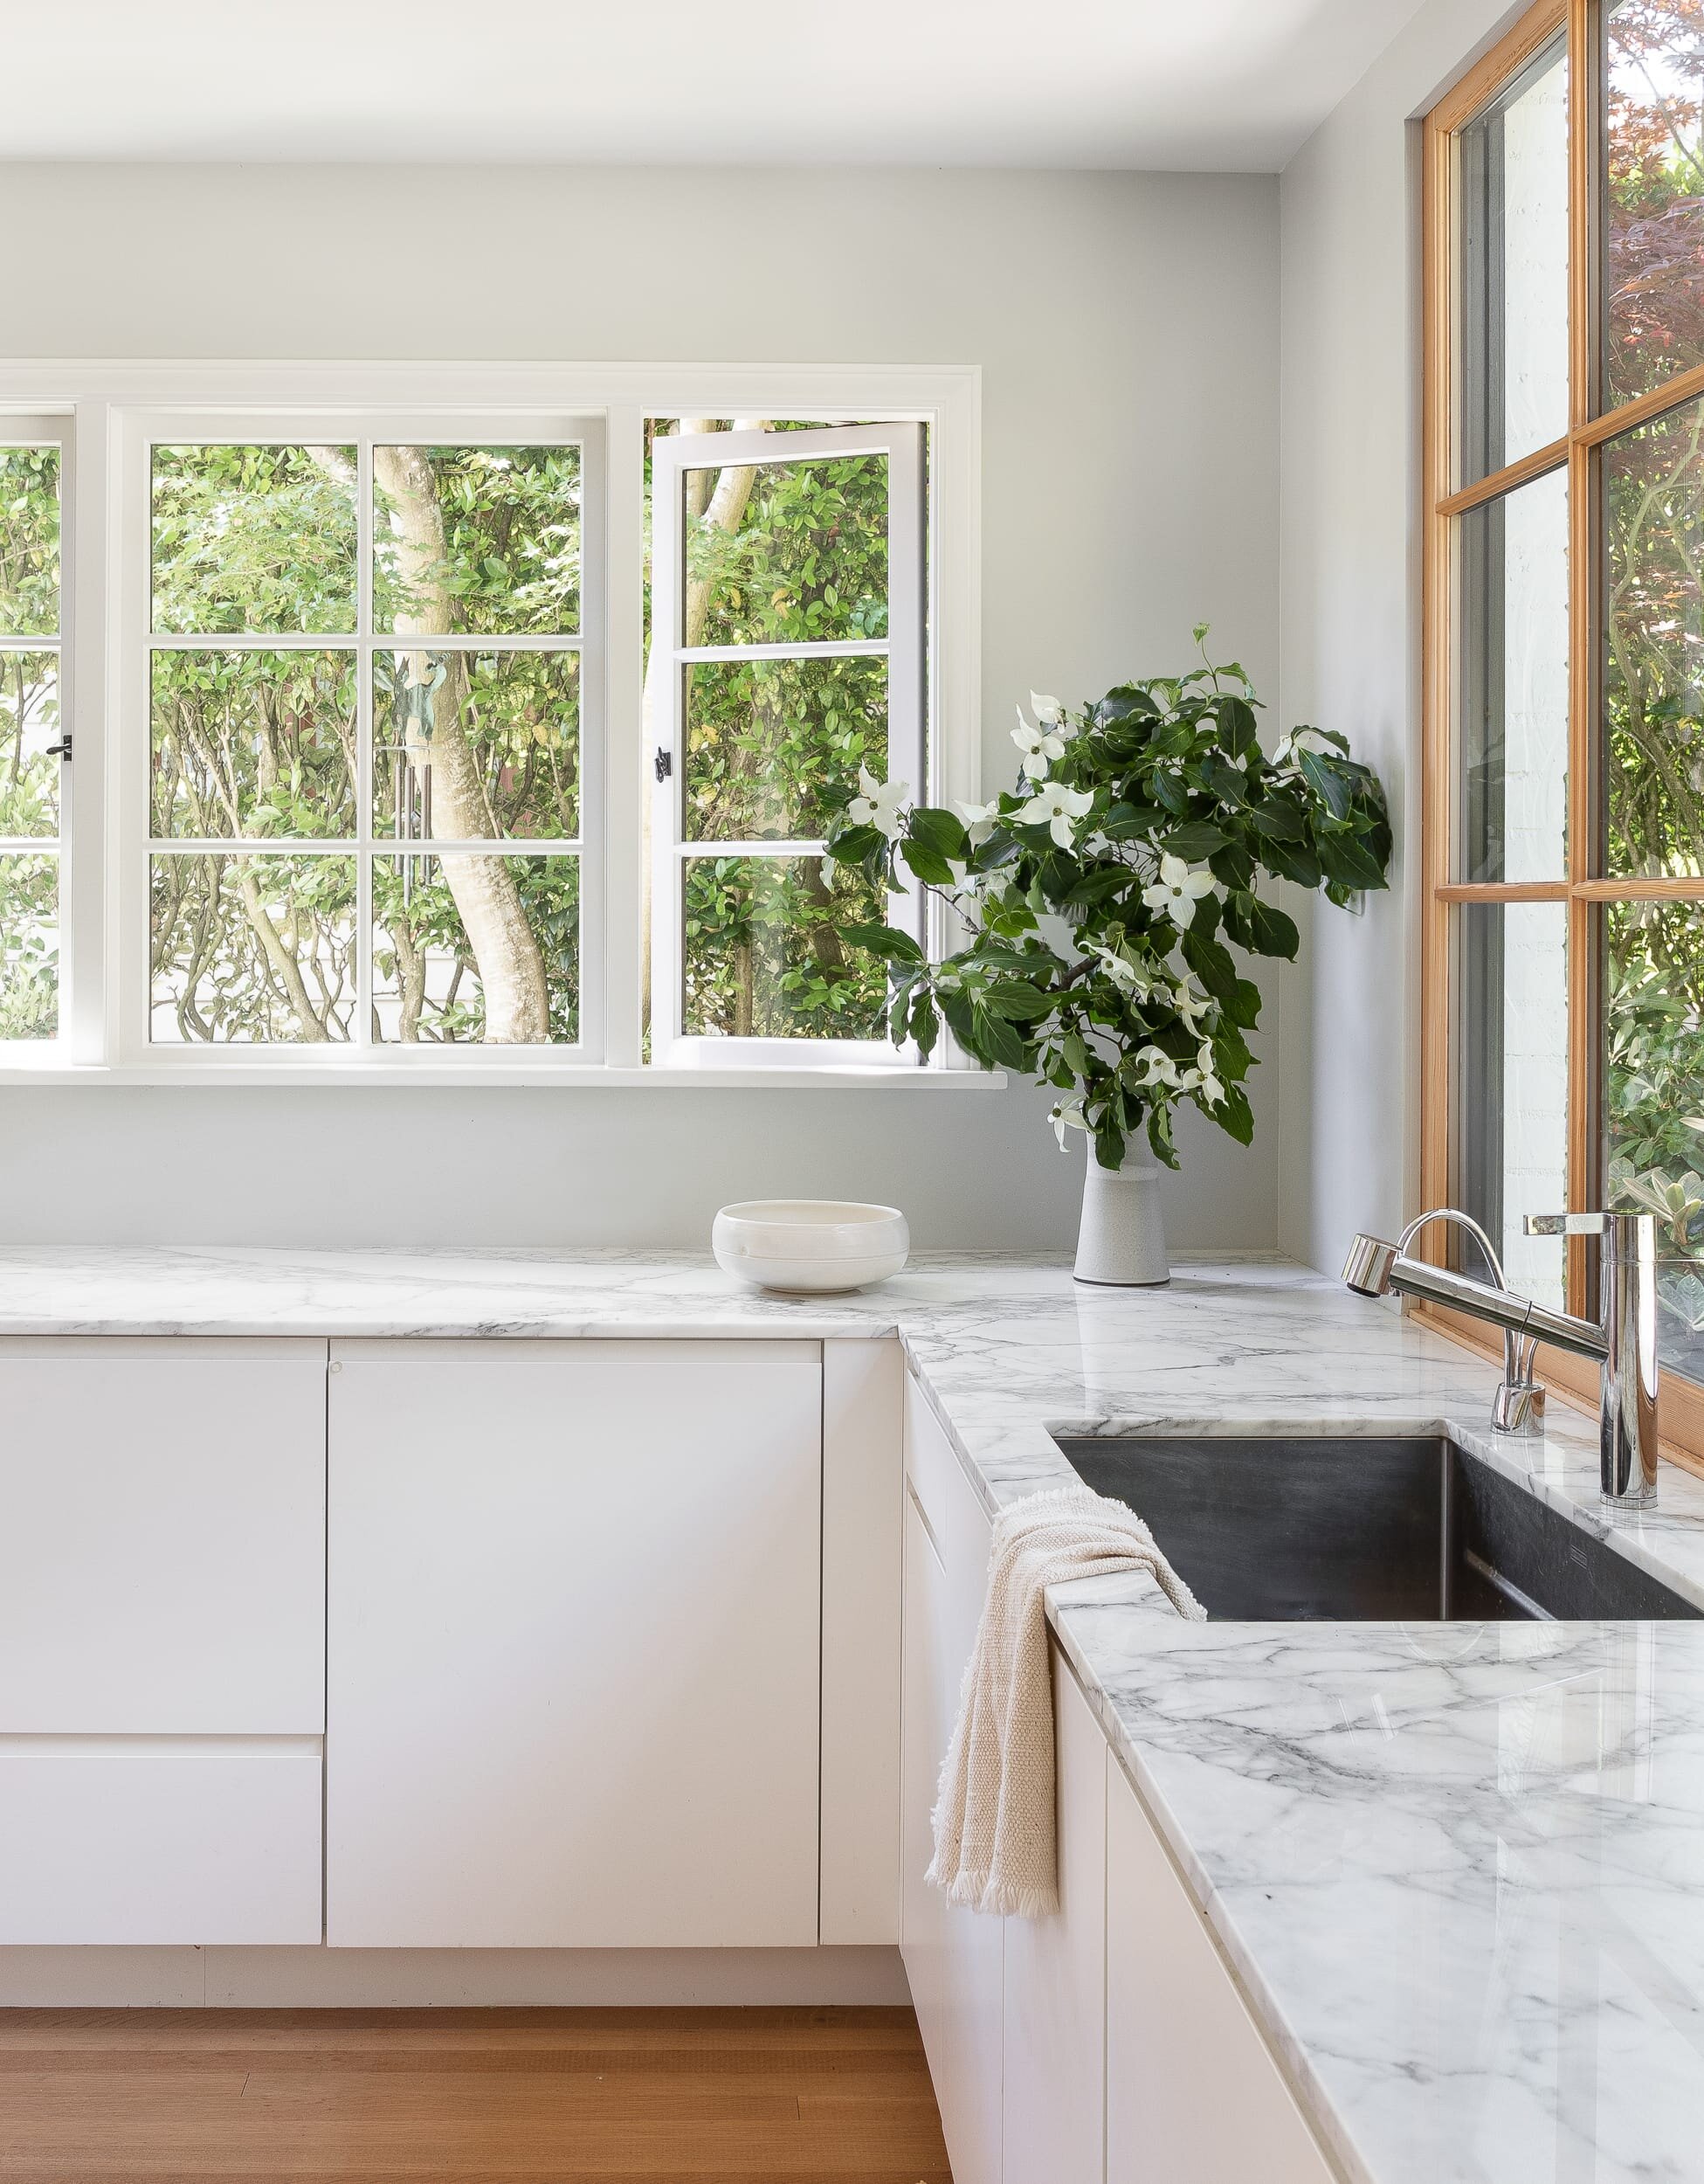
1653, 652
1509, 1139
1513, 267
1653, 1107
1512, 682
1653, 194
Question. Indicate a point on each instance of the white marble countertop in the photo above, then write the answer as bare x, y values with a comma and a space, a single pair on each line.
1460, 1868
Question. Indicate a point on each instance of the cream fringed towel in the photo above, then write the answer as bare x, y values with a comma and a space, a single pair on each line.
993, 1839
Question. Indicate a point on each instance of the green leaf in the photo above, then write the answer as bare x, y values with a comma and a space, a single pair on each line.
1291, 861
941, 830
1274, 933
1195, 842
1235, 1116
925, 1026
885, 941
1347, 858
926, 863
995, 1040
1125, 820
1238, 730
1326, 783
1017, 999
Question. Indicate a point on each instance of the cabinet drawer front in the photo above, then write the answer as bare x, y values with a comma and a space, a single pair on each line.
161, 1538
159, 1840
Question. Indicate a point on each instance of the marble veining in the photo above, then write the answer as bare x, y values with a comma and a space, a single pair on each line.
1458, 1869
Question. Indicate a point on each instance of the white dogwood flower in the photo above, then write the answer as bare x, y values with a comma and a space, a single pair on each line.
1038, 746
1054, 806
1212, 1091
879, 807
1189, 1004
1178, 888
979, 820
1068, 1114
1048, 711
1129, 977
1153, 1068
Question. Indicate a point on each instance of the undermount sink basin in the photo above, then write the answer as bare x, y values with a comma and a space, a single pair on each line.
1288, 1530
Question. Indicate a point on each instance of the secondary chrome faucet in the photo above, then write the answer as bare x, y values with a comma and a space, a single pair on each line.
1624, 1342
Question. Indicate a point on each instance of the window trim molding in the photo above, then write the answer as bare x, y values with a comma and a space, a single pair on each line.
1442, 503
102, 398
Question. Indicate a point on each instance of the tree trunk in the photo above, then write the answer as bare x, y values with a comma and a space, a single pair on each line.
517, 1004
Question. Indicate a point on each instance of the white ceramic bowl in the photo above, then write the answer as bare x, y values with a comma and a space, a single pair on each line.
816, 1244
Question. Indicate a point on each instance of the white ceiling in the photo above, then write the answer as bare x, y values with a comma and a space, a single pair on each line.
1185, 84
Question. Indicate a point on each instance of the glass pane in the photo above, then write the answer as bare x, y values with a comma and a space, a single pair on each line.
485, 540
29, 722
772, 745
254, 538
253, 743
1512, 663
764, 958
786, 553
251, 951
29, 947
472, 745
1514, 259
1653, 663
1654, 1102
29, 542
476, 950
1511, 1091
1653, 293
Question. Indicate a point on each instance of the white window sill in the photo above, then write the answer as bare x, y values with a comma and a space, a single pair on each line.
462, 1076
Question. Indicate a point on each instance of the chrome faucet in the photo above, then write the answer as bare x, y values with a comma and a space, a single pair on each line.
1624, 1342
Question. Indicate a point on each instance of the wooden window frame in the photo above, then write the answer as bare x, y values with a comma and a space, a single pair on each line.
1576, 452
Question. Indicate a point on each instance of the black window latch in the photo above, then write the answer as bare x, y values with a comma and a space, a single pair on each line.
664, 763
62, 748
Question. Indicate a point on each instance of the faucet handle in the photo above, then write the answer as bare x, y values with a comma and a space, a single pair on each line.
1566, 1224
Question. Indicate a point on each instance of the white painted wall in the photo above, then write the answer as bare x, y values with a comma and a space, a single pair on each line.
1128, 329
1349, 615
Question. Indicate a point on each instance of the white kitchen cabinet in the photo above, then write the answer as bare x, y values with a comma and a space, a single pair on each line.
953, 1958
574, 1640
1193, 2094
161, 1641
128, 1839
1056, 1972
162, 1537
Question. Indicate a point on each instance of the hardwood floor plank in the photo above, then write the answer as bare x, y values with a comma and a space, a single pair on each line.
482, 2097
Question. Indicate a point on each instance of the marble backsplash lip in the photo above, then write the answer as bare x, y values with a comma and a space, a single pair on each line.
1396, 1849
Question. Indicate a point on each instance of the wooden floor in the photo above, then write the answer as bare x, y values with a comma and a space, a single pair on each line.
481, 2096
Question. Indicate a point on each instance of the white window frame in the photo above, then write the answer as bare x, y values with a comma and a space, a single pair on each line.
48, 429
102, 401
908, 740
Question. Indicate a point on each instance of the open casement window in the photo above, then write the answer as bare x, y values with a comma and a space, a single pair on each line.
364, 672
1564, 656
35, 729
787, 611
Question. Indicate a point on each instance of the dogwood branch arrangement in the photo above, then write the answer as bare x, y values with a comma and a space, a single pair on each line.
1100, 891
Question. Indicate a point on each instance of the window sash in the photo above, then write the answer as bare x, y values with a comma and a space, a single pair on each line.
24, 428
908, 736
451, 426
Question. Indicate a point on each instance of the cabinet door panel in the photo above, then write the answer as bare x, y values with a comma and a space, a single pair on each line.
162, 1537
152, 1839
1055, 1976
574, 1644
1192, 2093
953, 1958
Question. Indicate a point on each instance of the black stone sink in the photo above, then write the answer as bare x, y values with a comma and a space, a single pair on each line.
1393, 1530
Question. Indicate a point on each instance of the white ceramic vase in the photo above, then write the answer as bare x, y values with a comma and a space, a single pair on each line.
1122, 1242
